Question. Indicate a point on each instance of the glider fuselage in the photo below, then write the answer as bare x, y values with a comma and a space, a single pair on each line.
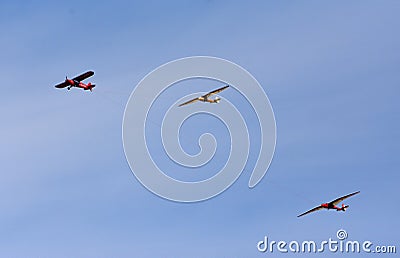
332, 206
206, 99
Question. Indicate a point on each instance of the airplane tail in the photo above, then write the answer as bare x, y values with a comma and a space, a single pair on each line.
344, 207
90, 86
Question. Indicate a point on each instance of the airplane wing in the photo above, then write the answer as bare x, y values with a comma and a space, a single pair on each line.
83, 76
338, 200
62, 85
312, 210
215, 91
188, 102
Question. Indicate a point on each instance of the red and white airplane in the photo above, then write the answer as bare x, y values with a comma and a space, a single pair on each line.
77, 82
331, 205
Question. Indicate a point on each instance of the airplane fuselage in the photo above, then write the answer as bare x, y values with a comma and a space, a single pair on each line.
332, 206
205, 99
78, 84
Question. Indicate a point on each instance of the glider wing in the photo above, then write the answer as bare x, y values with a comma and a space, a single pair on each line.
188, 102
215, 91
339, 200
312, 210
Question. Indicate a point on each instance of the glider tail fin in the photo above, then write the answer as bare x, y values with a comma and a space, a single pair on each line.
344, 207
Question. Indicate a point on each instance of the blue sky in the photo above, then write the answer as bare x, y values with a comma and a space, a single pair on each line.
331, 72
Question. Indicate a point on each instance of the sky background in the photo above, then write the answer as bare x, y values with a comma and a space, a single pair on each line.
330, 70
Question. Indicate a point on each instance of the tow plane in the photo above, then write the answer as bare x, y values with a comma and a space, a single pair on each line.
77, 82
331, 205
206, 97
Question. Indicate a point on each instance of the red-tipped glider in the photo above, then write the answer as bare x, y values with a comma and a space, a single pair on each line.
331, 205
77, 82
